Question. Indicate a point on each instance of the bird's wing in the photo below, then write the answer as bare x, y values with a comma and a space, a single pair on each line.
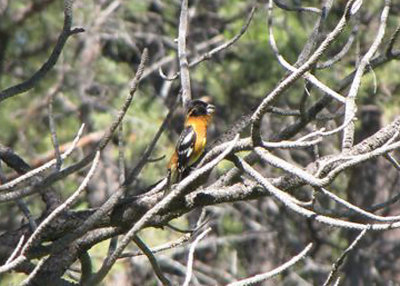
185, 147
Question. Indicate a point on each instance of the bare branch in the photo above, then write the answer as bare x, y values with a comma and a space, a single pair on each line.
258, 114
180, 241
358, 210
14, 183
393, 161
183, 63
21, 204
351, 107
288, 202
339, 262
53, 132
393, 38
291, 68
32, 275
49, 64
284, 6
16, 250
101, 145
157, 66
86, 267
189, 266
144, 158
152, 260
226, 45
330, 62
70, 201
265, 276
163, 204
121, 113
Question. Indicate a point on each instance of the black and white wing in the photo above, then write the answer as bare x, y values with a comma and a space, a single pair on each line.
185, 147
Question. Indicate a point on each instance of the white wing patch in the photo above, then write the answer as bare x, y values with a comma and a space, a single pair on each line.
188, 139
185, 147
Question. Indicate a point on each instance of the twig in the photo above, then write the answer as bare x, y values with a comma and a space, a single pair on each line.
385, 204
180, 270
185, 238
32, 275
265, 276
315, 37
337, 282
16, 250
365, 146
287, 200
183, 63
67, 204
71, 200
177, 191
101, 145
284, 6
314, 180
53, 132
283, 112
210, 54
357, 209
258, 114
25, 210
177, 229
48, 65
86, 140
351, 107
121, 155
121, 169
153, 160
307, 75
86, 267
393, 161
12, 184
121, 113
114, 198
339, 262
168, 59
149, 149
246, 144
152, 259
21, 204
343, 52
189, 266
393, 38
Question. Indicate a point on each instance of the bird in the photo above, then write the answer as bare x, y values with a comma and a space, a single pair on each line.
192, 140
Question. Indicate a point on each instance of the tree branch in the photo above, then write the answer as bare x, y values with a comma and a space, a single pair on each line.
52, 60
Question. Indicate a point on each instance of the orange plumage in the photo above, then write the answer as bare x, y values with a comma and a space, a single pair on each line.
192, 140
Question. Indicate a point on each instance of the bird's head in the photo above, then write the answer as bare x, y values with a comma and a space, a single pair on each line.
200, 108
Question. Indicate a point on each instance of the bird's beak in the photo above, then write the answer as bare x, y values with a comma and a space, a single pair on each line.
210, 109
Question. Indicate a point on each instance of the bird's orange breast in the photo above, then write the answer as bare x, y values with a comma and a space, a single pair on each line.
199, 124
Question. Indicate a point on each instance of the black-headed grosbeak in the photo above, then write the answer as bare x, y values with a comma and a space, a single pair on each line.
192, 140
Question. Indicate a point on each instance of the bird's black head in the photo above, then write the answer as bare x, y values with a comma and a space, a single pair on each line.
200, 108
